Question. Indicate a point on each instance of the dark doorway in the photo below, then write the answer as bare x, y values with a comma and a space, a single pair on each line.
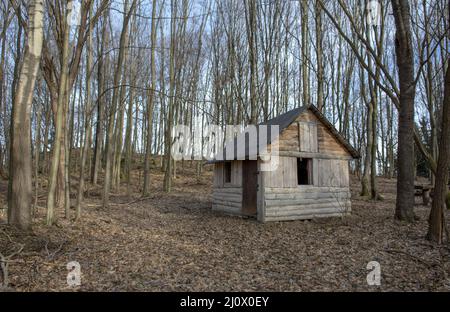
304, 171
249, 187
227, 172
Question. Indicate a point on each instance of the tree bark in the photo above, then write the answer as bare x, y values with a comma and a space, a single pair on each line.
100, 103
250, 7
305, 51
319, 57
150, 96
87, 124
115, 99
19, 203
437, 225
404, 209
59, 120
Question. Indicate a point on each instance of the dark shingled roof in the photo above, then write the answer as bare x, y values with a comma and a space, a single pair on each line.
284, 121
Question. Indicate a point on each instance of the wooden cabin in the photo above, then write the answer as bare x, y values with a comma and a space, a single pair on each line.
311, 180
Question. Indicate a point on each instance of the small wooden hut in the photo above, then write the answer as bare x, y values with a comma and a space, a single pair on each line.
311, 180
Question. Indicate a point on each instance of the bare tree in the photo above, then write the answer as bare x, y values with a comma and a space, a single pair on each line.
150, 99
437, 225
20, 195
405, 61
110, 146
85, 146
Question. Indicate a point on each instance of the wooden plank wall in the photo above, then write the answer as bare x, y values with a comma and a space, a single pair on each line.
227, 197
305, 202
328, 196
332, 172
281, 198
315, 137
218, 174
236, 174
326, 172
308, 137
285, 175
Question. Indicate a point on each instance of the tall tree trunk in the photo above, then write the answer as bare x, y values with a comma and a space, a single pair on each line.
19, 203
404, 209
59, 120
437, 225
65, 146
37, 153
87, 123
115, 99
305, 51
167, 186
150, 96
250, 7
3, 105
365, 190
319, 57
100, 103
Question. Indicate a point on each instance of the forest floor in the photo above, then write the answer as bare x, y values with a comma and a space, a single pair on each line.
174, 242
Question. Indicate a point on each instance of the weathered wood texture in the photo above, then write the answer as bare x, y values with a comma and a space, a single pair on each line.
332, 172
261, 210
236, 174
305, 202
308, 134
227, 200
325, 172
279, 195
249, 187
285, 175
227, 197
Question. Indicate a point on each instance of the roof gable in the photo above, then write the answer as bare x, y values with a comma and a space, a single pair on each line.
334, 132
284, 121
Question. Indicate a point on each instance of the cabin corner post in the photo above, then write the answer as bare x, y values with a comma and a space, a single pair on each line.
260, 211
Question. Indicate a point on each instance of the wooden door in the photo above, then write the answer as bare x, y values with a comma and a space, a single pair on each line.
249, 185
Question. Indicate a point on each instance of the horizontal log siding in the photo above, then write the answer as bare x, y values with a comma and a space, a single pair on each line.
228, 200
305, 202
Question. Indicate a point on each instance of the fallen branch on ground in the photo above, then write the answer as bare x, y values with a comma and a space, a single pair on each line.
4, 260
411, 256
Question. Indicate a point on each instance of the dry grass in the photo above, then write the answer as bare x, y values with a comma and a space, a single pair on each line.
174, 242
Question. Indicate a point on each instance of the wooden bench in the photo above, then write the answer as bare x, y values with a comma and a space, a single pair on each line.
425, 191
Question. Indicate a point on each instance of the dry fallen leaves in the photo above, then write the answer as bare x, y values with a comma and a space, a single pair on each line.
174, 242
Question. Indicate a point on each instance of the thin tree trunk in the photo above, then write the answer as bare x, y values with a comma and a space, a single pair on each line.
112, 114
319, 57
437, 225
167, 186
59, 120
150, 96
100, 105
305, 51
250, 7
87, 124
